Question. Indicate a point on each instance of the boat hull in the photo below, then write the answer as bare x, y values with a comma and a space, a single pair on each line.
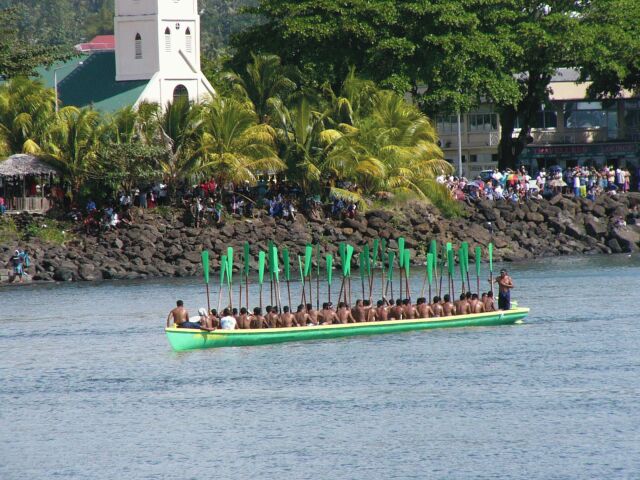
188, 339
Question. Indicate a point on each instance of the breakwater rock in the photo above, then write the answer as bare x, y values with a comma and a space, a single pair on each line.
160, 245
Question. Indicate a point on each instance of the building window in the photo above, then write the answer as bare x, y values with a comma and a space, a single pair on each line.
483, 122
584, 115
167, 39
447, 124
188, 40
180, 93
138, 46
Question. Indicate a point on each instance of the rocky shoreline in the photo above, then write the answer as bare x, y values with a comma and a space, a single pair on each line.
159, 244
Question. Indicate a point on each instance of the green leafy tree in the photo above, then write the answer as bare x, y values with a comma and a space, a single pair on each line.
73, 146
235, 147
610, 47
179, 130
124, 166
21, 58
263, 80
26, 112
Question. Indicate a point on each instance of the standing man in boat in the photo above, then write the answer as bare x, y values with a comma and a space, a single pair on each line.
505, 284
180, 317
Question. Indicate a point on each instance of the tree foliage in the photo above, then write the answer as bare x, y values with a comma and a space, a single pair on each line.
19, 57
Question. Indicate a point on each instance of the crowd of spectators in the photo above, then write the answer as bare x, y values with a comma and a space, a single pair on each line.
519, 185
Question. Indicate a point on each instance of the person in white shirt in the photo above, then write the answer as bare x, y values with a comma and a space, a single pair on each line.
228, 322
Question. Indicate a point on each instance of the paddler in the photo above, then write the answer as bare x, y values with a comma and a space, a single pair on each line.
489, 304
382, 311
448, 308
180, 317
327, 316
505, 284
301, 316
286, 319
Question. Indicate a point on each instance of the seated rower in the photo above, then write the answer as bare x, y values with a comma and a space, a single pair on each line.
301, 316
228, 321
476, 306
395, 312
286, 319
370, 311
215, 321
244, 321
423, 308
382, 311
313, 315
436, 307
408, 310
448, 308
358, 312
489, 304
344, 314
327, 316
272, 317
257, 320
180, 317
205, 319
462, 305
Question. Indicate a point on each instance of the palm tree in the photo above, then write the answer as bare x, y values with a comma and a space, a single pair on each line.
392, 149
305, 141
264, 79
179, 130
26, 110
234, 145
74, 144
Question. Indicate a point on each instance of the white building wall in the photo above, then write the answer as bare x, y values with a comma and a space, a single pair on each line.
169, 59
128, 67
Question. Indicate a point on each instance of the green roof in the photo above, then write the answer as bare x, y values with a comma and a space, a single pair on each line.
94, 84
64, 69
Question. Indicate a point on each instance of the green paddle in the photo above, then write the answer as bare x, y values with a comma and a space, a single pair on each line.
451, 269
407, 264
261, 261
287, 272
329, 262
205, 271
491, 266
223, 271
478, 266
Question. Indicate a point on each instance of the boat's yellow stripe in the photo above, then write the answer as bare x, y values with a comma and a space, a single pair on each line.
349, 325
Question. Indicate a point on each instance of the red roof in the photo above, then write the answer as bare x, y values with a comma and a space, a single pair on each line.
98, 43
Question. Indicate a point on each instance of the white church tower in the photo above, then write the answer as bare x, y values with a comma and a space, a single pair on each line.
159, 41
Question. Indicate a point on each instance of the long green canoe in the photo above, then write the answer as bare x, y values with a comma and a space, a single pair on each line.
188, 339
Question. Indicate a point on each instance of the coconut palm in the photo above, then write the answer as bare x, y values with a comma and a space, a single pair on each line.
74, 144
26, 111
304, 140
393, 149
235, 147
179, 129
264, 79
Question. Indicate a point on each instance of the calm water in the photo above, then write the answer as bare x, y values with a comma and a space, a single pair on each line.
90, 389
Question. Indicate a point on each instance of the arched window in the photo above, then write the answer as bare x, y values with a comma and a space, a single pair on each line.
188, 40
167, 39
180, 93
138, 46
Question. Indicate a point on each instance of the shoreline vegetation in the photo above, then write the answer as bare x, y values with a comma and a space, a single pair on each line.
160, 243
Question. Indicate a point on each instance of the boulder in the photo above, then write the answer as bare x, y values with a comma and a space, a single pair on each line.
628, 238
613, 244
534, 217
63, 275
594, 226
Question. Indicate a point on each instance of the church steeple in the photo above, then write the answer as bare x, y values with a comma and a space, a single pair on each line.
160, 40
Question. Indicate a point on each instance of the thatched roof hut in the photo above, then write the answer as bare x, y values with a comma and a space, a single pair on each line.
21, 165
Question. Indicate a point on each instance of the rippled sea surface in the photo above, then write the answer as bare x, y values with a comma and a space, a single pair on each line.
90, 389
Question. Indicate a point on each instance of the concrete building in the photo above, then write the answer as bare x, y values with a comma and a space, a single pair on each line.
154, 56
569, 131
